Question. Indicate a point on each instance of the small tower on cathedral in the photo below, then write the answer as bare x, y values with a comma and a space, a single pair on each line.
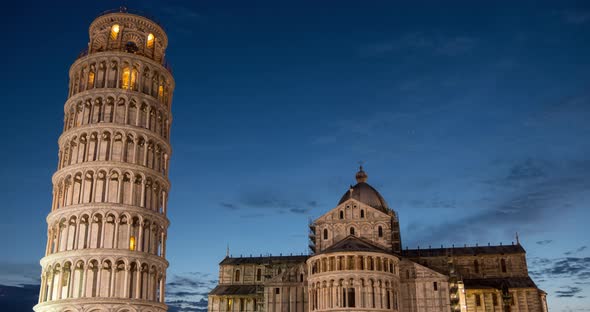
106, 246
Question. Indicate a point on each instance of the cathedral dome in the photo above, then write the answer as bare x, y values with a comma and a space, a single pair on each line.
365, 193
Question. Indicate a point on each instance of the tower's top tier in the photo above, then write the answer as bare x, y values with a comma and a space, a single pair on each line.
123, 31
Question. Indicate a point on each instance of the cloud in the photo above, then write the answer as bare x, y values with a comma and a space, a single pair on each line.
544, 242
575, 269
21, 298
229, 206
580, 249
576, 17
527, 170
523, 198
187, 305
19, 274
421, 42
188, 291
268, 200
568, 291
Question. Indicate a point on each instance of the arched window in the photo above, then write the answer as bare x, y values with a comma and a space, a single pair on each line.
150, 41
476, 266
325, 233
237, 276
341, 214
90, 83
351, 231
161, 92
362, 213
503, 265
132, 243
115, 31
259, 275
129, 78
380, 231
125, 77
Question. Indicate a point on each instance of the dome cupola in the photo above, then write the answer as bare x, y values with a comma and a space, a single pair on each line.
365, 193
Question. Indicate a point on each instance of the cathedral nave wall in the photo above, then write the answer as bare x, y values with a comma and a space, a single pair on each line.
479, 266
422, 289
490, 300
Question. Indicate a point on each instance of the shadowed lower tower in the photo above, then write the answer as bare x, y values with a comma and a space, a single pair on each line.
106, 246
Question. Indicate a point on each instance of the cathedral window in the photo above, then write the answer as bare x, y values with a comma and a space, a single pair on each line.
435, 286
503, 265
255, 305
494, 299
237, 276
241, 304
341, 214
277, 291
325, 233
351, 231
380, 231
478, 300
115, 32
258, 275
476, 266
362, 213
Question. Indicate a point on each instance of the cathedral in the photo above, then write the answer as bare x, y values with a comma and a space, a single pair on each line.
357, 263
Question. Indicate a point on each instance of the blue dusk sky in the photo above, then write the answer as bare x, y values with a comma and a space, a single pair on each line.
472, 119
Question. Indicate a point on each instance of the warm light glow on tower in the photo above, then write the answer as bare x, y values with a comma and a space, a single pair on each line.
108, 225
114, 31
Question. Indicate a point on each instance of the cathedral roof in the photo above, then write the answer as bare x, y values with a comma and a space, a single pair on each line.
464, 251
365, 193
224, 290
354, 243
263, 260
511, 282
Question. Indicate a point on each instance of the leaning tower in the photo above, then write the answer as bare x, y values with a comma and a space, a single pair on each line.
106, 246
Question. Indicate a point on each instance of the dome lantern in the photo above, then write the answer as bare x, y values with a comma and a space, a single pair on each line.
361, 175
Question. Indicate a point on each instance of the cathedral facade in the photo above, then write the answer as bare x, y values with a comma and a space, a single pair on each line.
357, 264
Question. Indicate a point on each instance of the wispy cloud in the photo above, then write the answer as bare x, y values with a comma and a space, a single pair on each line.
544, 242
571, 268
268, 200
576, 17
568, 291
188, 291
522, 199
579, 249
446, 45
19, 274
